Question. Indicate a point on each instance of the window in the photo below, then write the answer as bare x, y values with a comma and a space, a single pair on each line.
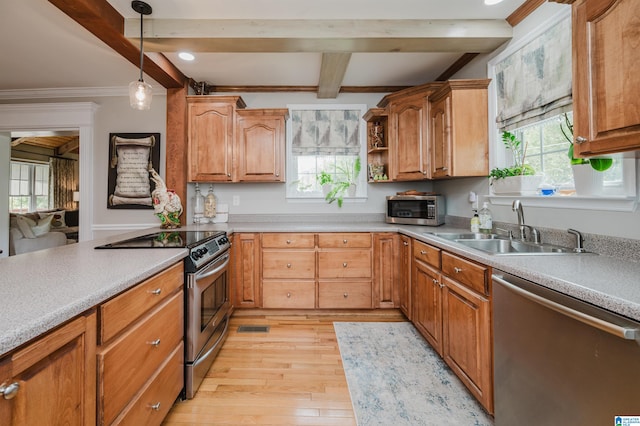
329, 139
547, 153
28, 187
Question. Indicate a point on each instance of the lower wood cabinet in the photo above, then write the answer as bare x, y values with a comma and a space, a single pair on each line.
404, 286
289, 294
140, 367
245, 252
52, 380
451, 307
338, 294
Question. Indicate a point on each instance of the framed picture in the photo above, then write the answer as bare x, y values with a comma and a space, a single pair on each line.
131, 157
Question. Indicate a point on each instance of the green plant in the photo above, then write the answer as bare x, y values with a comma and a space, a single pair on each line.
599, 164
519, 152
324, 178
350, 172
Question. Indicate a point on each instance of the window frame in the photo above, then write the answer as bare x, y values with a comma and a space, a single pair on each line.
33, 203
292, 195
498, 154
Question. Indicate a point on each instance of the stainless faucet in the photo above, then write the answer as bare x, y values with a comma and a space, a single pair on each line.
535, 234
579, 240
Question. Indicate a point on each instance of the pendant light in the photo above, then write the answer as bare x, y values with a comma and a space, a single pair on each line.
140, 92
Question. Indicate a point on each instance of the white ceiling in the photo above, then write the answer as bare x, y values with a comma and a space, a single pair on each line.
44, 48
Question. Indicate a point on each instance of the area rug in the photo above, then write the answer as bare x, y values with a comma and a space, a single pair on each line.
395, 378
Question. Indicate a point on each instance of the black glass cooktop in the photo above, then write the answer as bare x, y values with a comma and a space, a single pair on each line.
164, 239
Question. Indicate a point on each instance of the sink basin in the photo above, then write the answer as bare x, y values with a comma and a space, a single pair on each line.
501, 245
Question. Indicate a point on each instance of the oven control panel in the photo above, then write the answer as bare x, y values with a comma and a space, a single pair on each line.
206, 250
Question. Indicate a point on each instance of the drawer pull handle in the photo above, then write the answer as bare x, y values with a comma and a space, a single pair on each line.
288, 241
9, 391
288, 294
155, 407
288, 265
154, 343
157, 291
344, 241
345, 295
405, 243
457, 270
422, 252
344, 264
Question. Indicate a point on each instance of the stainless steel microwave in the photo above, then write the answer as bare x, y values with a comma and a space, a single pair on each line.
416, 209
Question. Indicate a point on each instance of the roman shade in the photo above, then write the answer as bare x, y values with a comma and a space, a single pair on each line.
325, 132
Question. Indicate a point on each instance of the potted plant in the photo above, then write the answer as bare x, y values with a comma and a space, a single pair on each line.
585, 178
324, 180
519, 178
347, 185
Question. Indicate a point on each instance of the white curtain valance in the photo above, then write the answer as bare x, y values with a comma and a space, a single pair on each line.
535, 82
325, 132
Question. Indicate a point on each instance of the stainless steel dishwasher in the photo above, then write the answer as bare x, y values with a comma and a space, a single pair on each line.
560, 361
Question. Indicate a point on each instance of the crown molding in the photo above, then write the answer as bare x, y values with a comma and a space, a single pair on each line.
71, 92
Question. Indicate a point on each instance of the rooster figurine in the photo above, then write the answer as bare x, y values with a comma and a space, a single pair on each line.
166, 203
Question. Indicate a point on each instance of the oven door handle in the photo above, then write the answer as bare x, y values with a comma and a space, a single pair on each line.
206, 273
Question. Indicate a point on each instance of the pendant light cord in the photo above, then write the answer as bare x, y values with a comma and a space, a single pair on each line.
141, 50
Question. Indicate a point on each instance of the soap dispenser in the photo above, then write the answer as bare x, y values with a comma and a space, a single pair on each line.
486, 221
198, 206
475, 222
210, 205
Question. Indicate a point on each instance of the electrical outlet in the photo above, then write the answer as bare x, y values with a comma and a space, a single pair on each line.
236, 200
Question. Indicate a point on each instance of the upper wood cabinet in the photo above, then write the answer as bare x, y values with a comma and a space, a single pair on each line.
211, 133
606, 81
261, 145
458, 130
228, 143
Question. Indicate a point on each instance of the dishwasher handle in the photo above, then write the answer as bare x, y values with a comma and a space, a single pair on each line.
624, 332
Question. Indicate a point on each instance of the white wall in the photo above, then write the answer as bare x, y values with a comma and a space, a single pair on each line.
5, 156
617, 224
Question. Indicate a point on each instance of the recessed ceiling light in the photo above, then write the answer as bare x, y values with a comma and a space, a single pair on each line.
186, 56
491, 2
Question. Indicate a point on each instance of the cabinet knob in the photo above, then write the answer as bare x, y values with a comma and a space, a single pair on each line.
288, 241
457, 270
344, 265
345, 295
288, 265
154, 343
229, 175
404, 243
344, 241
434, 281
9, 391
422, 252
288, 294
156, 292
277, 174
155, 407
580, 139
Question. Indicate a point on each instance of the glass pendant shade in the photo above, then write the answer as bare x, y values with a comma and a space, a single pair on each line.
140, 94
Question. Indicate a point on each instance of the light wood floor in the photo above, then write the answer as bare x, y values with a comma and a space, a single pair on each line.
291, 375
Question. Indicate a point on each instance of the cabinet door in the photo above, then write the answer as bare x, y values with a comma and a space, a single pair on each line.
404, 277
606, 82
409, 152
261, 146
56, 378
211, 132
385, 269
440, 142
246, 283
427, 303
467, 345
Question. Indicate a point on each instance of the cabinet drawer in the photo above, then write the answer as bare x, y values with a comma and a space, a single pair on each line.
127, 364
466, 272
119, 312
344, 294
152, 405
344, 264
289, 294
288, 264
288, 240
345, 240
426, 253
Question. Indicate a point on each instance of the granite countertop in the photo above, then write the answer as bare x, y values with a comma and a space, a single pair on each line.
43, 289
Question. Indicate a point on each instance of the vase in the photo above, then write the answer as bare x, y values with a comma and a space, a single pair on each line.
516, 185
351, 191
586, 180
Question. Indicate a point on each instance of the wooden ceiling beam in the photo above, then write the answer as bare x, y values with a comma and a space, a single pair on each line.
72, 146
456, 66
332, 71
103, 21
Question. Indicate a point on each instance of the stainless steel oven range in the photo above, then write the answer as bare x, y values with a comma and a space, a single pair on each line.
206, 306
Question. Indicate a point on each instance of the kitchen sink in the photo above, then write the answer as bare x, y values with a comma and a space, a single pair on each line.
501, 245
